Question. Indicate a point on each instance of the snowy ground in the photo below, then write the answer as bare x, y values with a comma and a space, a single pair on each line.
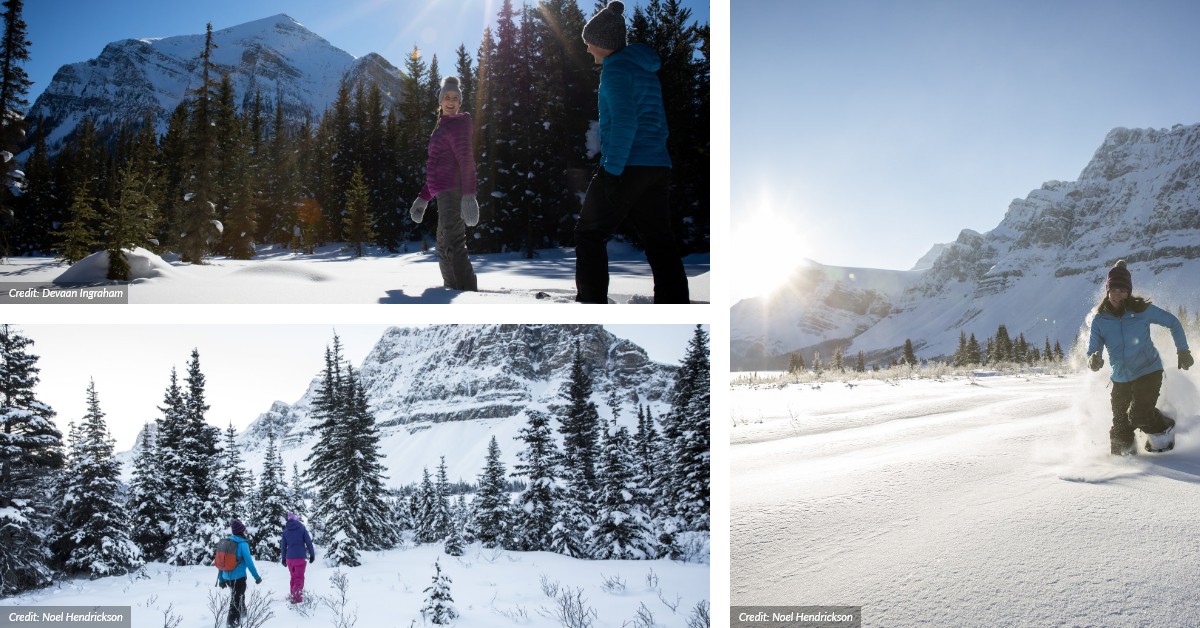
987, 501
332, 275
491, 588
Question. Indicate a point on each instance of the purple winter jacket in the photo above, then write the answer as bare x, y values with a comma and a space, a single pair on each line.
295, 541
451, 161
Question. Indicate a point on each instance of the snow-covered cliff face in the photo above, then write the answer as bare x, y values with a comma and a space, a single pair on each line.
275, 57
418, 377
1039, 272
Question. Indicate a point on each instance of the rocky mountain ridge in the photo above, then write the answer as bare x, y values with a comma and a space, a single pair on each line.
1039, 272
275, 57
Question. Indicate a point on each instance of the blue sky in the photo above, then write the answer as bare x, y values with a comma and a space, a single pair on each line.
865, 131
69, 31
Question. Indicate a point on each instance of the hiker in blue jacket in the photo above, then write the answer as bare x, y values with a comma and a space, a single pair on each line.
634, 177
292, 547
236, 577
1122, 326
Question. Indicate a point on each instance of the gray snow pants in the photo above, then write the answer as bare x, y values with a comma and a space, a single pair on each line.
453, 260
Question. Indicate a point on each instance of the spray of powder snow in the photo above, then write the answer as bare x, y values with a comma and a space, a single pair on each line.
1085, 457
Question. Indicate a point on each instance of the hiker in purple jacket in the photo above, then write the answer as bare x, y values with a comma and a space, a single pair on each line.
292, 548
450, 177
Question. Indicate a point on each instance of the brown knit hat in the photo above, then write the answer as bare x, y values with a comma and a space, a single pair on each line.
606, 29
1119, 277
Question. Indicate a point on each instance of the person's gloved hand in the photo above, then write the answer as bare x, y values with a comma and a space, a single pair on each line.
311, 559
283, 562
258, 581
1095, 361
221, 582
470, 211
1185, 359
417, 211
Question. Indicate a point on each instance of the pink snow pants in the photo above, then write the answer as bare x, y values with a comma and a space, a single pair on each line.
296, 569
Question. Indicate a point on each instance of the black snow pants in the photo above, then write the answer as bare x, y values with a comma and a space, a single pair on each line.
453, 260
1133, 406
237, 603
641, 194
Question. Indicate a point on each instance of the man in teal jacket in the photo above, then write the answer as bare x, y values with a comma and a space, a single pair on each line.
634, 177
236, 577
1122, 325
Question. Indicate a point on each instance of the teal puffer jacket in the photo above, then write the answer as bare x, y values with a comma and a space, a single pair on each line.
1127, 339
633, 122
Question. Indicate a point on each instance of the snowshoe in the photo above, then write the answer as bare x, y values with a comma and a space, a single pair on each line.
1162, 441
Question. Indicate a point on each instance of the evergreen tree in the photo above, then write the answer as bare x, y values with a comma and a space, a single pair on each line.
1002, 347
688, 453
537, 503
358, 213
78, 237
148, 504
578, 424
129, 222
1058, 352
860, 365
960, 355
194, 468
297, 492
910, 356
491, 501
974, 355
31, 457
1047, 351
439, 604
622, 528
838, 360
441, 505
235, 482
199, 216
425, 511
646, 446
796, 363
93, 534
270, 506
14, 87
345, 467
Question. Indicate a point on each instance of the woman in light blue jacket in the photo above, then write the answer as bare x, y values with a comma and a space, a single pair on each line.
1122, 325
236, 578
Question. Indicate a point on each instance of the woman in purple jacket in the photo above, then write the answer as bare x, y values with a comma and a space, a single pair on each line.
292, 547
450, 177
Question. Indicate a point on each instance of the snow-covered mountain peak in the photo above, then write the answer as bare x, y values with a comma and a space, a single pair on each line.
274, 56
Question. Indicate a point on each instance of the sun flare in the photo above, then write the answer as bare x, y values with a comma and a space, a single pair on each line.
768, 244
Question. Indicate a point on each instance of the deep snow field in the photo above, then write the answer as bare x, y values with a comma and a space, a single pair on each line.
333, 275
969, 501
490, 588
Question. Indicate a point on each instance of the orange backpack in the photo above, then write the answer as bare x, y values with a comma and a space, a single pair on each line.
226, 555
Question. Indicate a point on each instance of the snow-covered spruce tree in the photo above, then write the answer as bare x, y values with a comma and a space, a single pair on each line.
425, 511
270, 506
129, 221
622, 529
147, 505
463, 518
439, 604
688, 452
193, 461
297, 492
646, 446
345, 467
579, 424
31, 458
14, 87
491, 501
537, 504
235, 483
442, 519
93, 530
